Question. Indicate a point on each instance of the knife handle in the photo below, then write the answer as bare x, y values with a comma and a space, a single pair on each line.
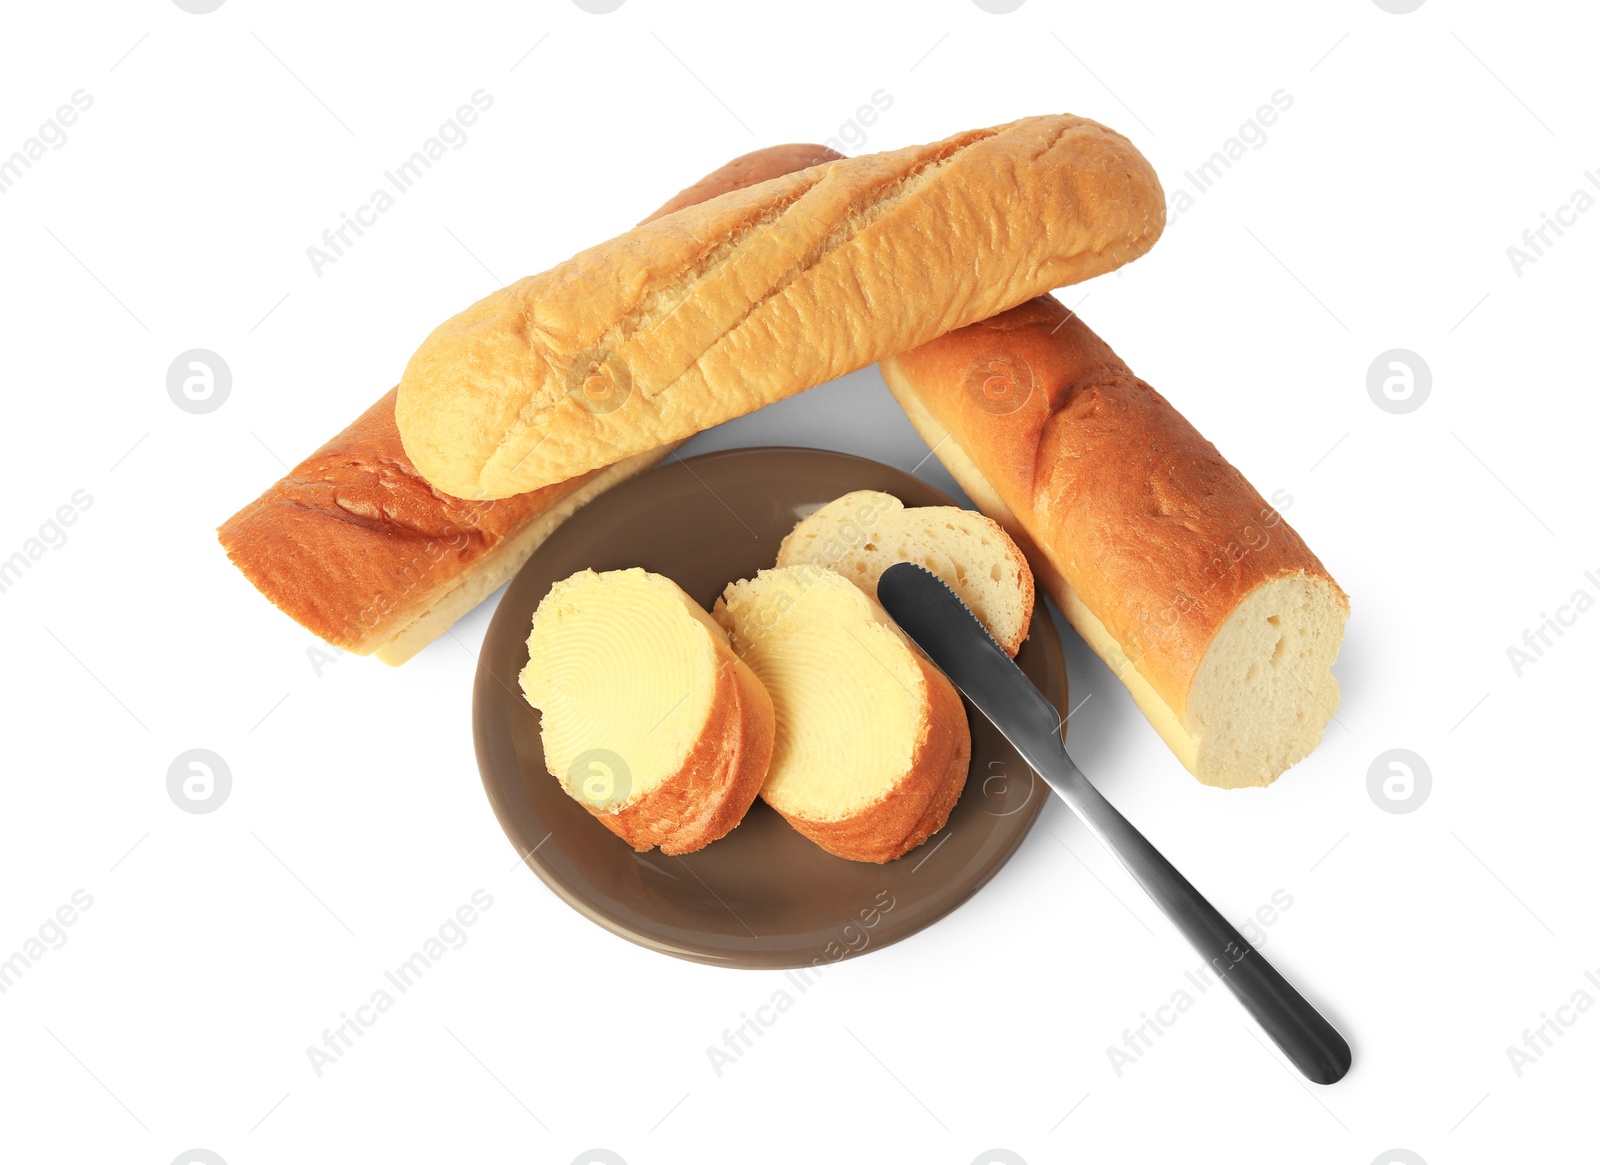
1299, 1030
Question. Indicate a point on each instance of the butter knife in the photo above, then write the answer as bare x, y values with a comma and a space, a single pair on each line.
939, 622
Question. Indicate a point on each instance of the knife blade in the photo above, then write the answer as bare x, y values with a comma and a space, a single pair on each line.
950, 635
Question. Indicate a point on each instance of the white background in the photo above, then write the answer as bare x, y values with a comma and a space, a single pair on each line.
1377, 215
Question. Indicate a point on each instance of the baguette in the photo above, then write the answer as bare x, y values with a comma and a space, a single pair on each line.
1204, 602
721, 308
355, 546
647, 718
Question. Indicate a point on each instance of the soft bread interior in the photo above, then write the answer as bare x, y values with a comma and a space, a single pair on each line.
622, 667
862, 534
849, 698
1265, 690
1239, 727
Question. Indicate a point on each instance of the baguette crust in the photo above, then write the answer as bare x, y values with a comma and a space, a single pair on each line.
721, 308
719, 779
353, 544
920, 803
745, 171
1148, 539
359, 549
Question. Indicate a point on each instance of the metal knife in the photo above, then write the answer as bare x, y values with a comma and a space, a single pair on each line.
939, 622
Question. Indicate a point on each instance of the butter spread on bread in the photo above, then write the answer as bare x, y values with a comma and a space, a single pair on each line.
1213, 612
872, 744
646, 717
720, 308
862, 534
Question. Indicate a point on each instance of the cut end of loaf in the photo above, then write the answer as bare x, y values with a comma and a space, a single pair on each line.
1265, 691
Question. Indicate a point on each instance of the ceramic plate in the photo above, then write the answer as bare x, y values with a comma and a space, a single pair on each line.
763, 896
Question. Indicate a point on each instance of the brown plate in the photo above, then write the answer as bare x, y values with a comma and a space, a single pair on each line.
763, 896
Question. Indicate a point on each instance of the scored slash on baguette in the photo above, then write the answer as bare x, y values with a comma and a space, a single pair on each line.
872, 744
862, 534
647, 718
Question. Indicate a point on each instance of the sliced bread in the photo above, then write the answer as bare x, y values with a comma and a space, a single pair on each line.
872, 745
648, 720
862, 534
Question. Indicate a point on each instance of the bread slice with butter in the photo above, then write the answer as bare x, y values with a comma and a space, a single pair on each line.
872, 743
648, 719
862, 534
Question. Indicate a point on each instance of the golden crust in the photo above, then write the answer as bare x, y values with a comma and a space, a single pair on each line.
352, 543
355, 545
1124, 507
747, 170
720, 308
1014, 641
920, 803
720, 778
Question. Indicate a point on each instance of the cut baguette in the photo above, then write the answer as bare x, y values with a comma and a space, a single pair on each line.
1203, 601
862, 534
872, 744
648, 720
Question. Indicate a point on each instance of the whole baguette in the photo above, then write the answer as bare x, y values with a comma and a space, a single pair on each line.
724, 307
1205, 603
359, 549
